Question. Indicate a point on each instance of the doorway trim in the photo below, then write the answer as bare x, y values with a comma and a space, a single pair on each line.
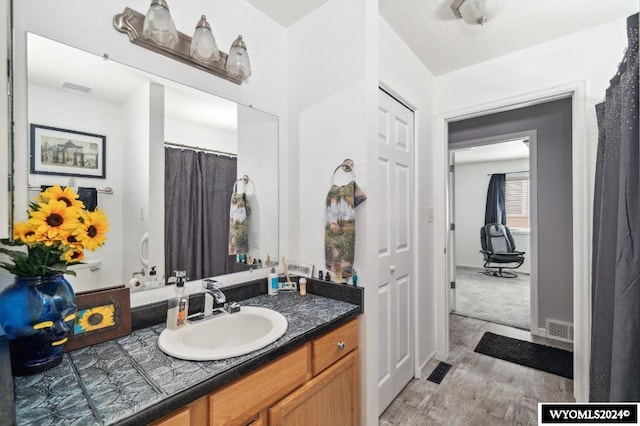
532, 137
581, 219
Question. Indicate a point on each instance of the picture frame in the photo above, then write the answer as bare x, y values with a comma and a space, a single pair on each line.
300, 269
102, 315
56, 151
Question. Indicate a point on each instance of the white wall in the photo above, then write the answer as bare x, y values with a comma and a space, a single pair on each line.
332, 100
183, 132
65, 110
402, 72
135, 118
472, 181
563, 61
258, 160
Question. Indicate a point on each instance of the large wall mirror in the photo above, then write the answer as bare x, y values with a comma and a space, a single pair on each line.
174, 157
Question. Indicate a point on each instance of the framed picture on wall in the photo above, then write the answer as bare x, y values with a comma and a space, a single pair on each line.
65, 152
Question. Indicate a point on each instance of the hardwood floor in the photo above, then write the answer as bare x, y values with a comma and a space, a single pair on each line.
478, 390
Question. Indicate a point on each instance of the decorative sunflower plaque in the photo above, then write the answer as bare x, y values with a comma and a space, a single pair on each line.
102, 315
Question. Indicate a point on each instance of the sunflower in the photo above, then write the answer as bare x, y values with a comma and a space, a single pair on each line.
73, 255
95, 318
93, 232
24, 232
67, 195
54, 219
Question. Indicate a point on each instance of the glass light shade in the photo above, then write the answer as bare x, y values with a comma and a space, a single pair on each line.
480, 11
203, 44
238, 63
159, 25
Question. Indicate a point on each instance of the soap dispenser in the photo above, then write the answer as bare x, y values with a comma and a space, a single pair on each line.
178, 305
152, 282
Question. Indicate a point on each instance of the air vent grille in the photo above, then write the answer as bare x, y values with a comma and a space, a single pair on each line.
77, 87
560, 330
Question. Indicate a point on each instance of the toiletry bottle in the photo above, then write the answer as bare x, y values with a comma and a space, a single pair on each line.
152, 282
178, 305
303, 286
273, 286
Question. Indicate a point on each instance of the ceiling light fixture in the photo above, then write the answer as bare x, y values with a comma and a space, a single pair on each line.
477, 11
157, 32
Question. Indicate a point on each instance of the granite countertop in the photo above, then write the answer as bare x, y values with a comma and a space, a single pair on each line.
130, 381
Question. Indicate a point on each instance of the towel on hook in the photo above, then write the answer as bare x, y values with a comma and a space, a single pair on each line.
340, 227
238, 224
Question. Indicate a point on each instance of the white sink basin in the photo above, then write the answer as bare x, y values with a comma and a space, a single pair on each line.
224, 336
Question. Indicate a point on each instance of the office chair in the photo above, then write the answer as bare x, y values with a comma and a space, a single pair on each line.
499, 251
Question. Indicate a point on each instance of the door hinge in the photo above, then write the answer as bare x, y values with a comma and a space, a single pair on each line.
452, 226
453, 284
452, 168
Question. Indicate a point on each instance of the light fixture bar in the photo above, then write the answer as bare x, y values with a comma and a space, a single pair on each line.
131, 22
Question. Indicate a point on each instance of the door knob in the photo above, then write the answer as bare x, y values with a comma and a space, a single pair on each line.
392, 268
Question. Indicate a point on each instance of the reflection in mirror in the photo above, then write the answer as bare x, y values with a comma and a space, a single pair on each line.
173, 156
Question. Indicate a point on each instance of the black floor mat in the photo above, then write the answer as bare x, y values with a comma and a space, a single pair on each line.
541, 357
439, 372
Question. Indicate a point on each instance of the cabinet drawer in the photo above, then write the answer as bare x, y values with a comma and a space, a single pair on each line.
334, 345
239, 402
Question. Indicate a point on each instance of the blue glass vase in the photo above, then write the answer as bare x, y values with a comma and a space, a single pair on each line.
37, 315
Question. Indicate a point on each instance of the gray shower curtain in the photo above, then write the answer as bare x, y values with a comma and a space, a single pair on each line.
615, 333
495, 210
198, 188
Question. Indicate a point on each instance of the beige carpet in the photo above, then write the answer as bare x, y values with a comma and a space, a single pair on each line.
499, 300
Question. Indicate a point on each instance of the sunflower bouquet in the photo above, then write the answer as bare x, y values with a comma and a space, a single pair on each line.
56, 234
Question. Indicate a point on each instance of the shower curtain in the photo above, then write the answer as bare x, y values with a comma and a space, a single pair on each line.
198, 187
615, 332
495, 211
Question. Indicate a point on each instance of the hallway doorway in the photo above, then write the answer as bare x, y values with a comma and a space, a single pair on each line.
477, 292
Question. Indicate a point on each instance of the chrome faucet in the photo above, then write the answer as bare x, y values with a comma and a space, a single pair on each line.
213, 296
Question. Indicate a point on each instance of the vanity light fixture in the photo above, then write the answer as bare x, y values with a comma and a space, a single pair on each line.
158, 24
153, 32
203, 43
477, 11
238, 61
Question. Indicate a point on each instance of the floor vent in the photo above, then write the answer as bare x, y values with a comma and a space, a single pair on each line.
439, 372
560, 330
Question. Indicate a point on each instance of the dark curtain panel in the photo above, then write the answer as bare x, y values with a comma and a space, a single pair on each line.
495, 211
198, 188
615, 333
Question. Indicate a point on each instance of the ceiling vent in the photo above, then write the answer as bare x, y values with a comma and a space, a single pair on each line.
77, 87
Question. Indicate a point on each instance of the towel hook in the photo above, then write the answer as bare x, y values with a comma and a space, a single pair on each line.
346, 166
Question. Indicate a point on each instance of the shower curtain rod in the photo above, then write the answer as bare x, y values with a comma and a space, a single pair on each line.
197, 148
508, 173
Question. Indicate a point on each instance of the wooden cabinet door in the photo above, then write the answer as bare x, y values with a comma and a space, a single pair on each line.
238, 403
330, 398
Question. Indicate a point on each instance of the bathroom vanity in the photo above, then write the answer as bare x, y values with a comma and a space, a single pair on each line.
314, 384
311, 372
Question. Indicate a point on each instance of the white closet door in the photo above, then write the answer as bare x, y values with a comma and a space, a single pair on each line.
395, 251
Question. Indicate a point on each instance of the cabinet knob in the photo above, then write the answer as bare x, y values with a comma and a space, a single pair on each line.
341, 345
392, 268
